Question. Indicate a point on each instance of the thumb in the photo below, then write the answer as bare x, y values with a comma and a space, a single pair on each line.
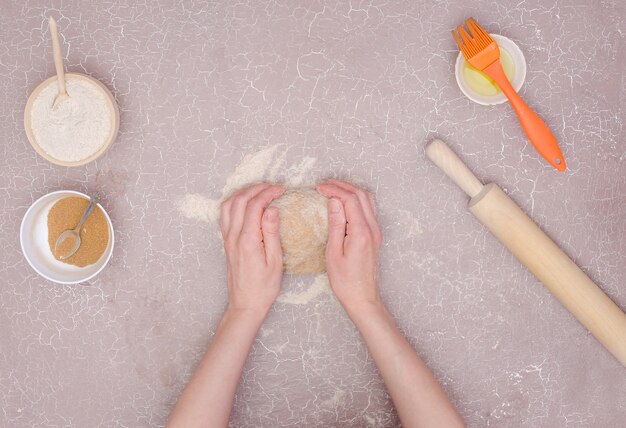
271, 235
336, 227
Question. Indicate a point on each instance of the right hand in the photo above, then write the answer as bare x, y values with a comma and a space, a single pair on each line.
354, 240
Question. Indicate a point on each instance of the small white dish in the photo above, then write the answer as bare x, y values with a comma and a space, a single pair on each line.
519, 63
34, 242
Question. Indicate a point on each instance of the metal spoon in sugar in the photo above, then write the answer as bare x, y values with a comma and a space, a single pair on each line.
75, 233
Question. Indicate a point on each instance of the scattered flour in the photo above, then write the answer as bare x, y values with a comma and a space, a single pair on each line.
336, 401
299, 175
265, 165
318, 287
252, 169
410, 223
275, 170
78, 126
199, 207
372, 421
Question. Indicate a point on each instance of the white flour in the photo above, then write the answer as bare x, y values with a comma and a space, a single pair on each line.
268, 164
78, 127
318, 287
410, 223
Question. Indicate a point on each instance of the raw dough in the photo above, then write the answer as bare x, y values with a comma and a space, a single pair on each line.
303, 230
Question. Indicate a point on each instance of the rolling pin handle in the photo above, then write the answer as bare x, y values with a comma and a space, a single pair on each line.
442, 156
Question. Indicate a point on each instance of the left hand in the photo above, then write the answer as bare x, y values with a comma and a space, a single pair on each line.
252, 245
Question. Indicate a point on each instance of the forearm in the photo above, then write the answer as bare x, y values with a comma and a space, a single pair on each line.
418, 397
208, 397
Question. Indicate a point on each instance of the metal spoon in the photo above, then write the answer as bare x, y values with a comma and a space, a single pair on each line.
58, 63
75, 233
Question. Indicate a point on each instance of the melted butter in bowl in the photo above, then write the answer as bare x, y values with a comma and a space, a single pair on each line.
482, 84
479, 87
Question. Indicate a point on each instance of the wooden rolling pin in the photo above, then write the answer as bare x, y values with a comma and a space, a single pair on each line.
584, 299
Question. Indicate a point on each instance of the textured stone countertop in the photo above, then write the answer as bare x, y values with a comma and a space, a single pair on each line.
213, 94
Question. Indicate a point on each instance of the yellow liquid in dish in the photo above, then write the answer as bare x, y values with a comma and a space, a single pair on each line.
482, 84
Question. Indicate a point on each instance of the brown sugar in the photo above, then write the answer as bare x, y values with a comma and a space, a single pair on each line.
94, 234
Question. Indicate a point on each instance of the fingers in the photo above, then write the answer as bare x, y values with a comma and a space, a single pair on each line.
359, 206
365, 198
255, 208
246, 221
225, 216
336, 228
350, 212
271, 236
355, 216
238, 204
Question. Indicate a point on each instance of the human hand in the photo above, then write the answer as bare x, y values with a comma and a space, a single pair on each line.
252, 245
354, 240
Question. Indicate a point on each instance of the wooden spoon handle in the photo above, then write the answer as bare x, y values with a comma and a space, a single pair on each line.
56, 52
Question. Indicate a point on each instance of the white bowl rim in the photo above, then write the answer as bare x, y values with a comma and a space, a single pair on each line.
111, 237
509, 45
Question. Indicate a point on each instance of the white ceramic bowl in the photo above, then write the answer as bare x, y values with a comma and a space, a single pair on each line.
34, 242
518, 80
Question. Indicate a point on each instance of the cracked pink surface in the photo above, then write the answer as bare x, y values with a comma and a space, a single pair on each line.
361, 87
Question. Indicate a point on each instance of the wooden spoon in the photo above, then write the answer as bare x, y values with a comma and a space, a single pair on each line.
58, 63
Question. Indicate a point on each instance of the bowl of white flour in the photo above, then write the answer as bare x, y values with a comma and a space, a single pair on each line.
79, 129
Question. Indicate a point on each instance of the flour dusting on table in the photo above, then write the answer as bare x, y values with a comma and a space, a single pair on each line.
318, 287
411, 224
268, 164
199, 207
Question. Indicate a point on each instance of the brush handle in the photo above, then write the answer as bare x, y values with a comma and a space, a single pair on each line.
535, 128
56, 53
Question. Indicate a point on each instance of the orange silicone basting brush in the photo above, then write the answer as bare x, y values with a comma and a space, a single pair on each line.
483, 53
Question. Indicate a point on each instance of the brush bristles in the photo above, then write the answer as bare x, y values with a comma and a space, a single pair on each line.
471, 45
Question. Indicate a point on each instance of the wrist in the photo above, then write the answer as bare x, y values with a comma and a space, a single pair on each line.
365, 310
251, 315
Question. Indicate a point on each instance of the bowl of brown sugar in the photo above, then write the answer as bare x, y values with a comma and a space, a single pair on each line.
51, 215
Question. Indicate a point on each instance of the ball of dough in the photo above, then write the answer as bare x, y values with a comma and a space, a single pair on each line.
303, 230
